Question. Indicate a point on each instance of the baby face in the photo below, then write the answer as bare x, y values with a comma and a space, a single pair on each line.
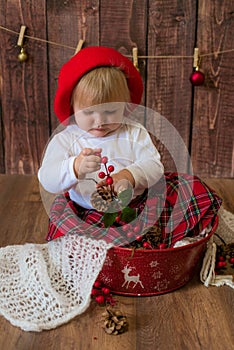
100, 120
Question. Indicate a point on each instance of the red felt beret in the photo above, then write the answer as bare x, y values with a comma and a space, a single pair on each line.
84, 61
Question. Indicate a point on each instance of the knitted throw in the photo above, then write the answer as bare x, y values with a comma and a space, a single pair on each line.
45, 285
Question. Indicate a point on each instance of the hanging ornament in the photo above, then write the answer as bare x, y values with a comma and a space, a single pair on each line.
197, 77
22, 56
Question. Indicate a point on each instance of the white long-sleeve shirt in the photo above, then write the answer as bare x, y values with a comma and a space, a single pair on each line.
129, 147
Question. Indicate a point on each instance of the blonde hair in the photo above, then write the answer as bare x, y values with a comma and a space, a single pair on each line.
101, 85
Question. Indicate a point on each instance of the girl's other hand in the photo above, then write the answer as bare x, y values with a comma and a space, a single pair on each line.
122, 181
88, 161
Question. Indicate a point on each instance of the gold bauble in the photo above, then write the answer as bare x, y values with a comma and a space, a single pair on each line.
22, 56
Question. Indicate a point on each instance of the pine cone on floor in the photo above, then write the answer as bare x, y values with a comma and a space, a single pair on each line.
114, 322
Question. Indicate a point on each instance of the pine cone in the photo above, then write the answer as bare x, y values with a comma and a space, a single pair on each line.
101, 199
153, 236
114, 322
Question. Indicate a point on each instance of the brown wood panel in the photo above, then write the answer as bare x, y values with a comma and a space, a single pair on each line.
213, 125
67, 23
2, 161
192, 318
171, 32
24, 87
123, 26
156, 27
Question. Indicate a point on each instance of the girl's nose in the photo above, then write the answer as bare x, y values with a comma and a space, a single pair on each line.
99, 119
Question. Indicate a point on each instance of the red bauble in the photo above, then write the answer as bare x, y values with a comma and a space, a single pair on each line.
197, 78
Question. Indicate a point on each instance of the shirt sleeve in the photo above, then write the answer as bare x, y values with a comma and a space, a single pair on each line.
56, 173
147, 168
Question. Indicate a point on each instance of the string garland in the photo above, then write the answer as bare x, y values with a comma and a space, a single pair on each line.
214, 53
197, 76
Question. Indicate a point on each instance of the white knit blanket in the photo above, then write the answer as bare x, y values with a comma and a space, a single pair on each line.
45, 285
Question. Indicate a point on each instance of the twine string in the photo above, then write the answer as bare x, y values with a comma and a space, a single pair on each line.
215, 53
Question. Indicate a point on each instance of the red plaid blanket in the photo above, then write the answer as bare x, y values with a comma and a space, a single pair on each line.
180, 204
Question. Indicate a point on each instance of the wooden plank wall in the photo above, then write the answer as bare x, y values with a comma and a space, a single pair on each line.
203, 116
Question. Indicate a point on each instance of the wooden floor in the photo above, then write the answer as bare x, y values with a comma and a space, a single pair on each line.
193, 317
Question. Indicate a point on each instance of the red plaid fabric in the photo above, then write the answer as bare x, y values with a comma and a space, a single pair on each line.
180, 204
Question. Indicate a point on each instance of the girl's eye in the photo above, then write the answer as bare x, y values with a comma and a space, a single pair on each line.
87, 112
110, 112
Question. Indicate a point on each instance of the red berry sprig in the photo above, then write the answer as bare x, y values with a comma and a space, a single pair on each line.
102, 294
224, 256
109, 170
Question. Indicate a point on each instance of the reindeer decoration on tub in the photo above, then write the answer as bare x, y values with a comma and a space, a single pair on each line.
128, 279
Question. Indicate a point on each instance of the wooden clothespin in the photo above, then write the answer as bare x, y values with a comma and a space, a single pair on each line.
22, 56
135, 57
79, 46
196, 59
20, 41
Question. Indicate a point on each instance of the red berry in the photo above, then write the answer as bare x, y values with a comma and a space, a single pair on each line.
100, 299
111, 300
106, 290
130, 234
221, 258
97, 284
231, 260
104, 160
139, 238
221, 264
147, 245
118, 218
162, 246
136, 229
126, 227
95, 292
218, 265
101, 175
109, 180
111, 168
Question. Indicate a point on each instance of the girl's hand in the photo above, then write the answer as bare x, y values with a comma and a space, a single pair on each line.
122, 181
88, 161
